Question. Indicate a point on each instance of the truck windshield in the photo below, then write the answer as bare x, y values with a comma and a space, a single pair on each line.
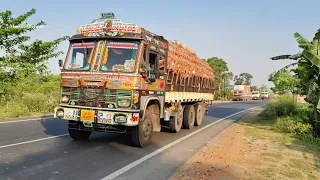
79, 55
120, 57
255, 92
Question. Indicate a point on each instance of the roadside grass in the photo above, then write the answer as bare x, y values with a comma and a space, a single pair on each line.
31, 97
286, 157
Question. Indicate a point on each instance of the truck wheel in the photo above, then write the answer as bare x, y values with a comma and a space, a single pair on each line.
175, 123
79, 135
198, 114
188, 117
142, 134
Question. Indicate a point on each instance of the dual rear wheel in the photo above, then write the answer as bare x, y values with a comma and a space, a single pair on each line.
187, 117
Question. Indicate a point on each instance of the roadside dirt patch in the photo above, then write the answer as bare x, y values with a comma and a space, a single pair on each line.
236, 154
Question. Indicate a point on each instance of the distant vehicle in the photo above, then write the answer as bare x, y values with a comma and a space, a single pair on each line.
264, 95
255, 95
241, 93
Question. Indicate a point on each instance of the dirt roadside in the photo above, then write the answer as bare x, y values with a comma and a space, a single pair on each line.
245, 152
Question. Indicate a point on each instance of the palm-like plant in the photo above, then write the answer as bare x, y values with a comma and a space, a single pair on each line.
307, 69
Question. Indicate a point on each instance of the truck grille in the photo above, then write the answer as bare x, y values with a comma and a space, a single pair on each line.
94, 96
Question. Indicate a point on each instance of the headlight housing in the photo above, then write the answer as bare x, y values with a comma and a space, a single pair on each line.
65, 99
124, 102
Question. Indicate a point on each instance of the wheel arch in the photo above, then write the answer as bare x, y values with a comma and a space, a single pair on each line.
147, 101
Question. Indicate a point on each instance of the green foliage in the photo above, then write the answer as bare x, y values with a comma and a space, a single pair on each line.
290, 117
307, 73
32, 96
284, 81
243, 79
264, 88
282, 106
308, 138
222, 77
284, 124
22, 57
26, 87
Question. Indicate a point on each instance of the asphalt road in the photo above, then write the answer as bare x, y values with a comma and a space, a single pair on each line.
42, 149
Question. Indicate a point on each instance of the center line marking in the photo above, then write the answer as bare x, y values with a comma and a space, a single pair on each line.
148, 156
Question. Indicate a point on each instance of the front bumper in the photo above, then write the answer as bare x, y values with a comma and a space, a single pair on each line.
98, 115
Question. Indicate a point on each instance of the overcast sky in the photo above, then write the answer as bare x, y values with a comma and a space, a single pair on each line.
244, 33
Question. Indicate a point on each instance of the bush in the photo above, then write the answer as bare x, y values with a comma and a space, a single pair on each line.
305, 114
280, 107
292, 125
31, 96
308, 138
284, 124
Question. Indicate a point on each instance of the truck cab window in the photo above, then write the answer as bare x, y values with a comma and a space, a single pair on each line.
161, 64
152, 65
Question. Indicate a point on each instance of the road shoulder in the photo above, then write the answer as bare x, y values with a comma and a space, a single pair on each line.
243, 152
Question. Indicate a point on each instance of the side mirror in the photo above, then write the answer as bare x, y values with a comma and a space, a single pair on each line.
60, 63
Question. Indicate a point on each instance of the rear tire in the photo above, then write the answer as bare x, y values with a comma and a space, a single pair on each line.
79, 135
199, 113
188, 117
142, 134
175, 123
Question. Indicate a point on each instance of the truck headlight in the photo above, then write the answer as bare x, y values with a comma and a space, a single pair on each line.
124, 102
65, 99
60, 113
120, 118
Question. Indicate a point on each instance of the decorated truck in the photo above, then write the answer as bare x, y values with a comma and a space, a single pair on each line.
241, 93
118, 77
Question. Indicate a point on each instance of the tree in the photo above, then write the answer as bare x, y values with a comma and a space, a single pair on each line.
226, 76
22, 57
243, 79
307, 71
254, 88
220, 69
284, 82
264, 88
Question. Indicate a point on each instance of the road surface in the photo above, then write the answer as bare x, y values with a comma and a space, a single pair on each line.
42, 149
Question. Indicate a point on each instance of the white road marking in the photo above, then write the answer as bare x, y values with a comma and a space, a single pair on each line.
148, 156
36, 140
24, 120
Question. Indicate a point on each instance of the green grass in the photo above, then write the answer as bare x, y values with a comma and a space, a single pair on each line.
287, 157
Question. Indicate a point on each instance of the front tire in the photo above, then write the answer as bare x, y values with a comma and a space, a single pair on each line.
142, 134
79, 135
188, 117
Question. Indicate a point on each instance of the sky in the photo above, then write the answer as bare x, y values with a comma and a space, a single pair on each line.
244, 33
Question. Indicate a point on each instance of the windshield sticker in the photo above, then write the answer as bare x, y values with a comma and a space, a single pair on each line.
118, 67
129, 65
122, 45
83, 45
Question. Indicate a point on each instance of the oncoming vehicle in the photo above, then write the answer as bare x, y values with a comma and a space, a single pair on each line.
118, 77
241, 93
255, 95
264, 95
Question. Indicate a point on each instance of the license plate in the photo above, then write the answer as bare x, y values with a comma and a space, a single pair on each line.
87, 115
105, 117
70, 114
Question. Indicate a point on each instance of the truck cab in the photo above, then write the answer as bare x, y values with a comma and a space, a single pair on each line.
264, 95
255, 95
